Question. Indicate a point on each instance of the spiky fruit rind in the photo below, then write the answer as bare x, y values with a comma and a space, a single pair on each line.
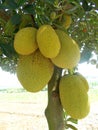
34, 71
69, 54
25, 41
86, 85
74, 97
48, 41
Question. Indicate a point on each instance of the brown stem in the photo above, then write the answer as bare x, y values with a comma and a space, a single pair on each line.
54, 111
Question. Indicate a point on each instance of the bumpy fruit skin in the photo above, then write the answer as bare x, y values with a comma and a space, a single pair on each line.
48, 41
69, 54
86, 85
74, 97
25, 41
34, 71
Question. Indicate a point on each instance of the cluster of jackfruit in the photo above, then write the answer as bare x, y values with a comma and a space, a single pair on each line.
41, 49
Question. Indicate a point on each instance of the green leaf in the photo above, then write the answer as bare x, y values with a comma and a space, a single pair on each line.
65, 114
11, 4
3, 6
9, 28
86, 6
72, 120
29, 9
7, 49
96, 3
16, 19
26, 21
50, 1
71, 126
21, 2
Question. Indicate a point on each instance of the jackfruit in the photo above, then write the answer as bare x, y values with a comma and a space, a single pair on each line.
48, 41
34, 71
25, 41
74, 97
69, 54
86, 85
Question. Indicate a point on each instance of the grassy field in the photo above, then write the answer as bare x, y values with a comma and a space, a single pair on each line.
23, 96
93, 94
18, 95
24, 106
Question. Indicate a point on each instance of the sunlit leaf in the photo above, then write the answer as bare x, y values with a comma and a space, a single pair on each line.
21, 2
9, 28
72, 120
71, 126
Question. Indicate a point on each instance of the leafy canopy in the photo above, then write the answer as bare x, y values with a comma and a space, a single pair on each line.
18, 14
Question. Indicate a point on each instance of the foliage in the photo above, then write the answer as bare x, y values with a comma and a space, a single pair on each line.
69, 122
17, 14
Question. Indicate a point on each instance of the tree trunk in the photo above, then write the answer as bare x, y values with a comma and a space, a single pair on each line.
54, 111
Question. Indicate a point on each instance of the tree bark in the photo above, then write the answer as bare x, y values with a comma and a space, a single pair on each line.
54, 111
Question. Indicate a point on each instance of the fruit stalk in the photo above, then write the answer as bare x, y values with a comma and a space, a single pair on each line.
54, 111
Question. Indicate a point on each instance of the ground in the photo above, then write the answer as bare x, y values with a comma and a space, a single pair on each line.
30, 116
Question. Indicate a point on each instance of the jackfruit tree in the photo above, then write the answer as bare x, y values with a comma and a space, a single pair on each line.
43, 42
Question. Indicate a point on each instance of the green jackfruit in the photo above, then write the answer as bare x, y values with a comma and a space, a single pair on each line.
25, 41
69, 54
74, 96
48, 41
86, 85
34, 71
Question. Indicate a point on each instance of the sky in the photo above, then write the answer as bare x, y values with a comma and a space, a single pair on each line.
10, 80
88, 70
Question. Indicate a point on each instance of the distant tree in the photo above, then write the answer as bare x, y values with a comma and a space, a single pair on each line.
18, 14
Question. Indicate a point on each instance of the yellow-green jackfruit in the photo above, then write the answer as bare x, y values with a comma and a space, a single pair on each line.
34, 71
69, 54
74, 96
48, 41
25, 41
